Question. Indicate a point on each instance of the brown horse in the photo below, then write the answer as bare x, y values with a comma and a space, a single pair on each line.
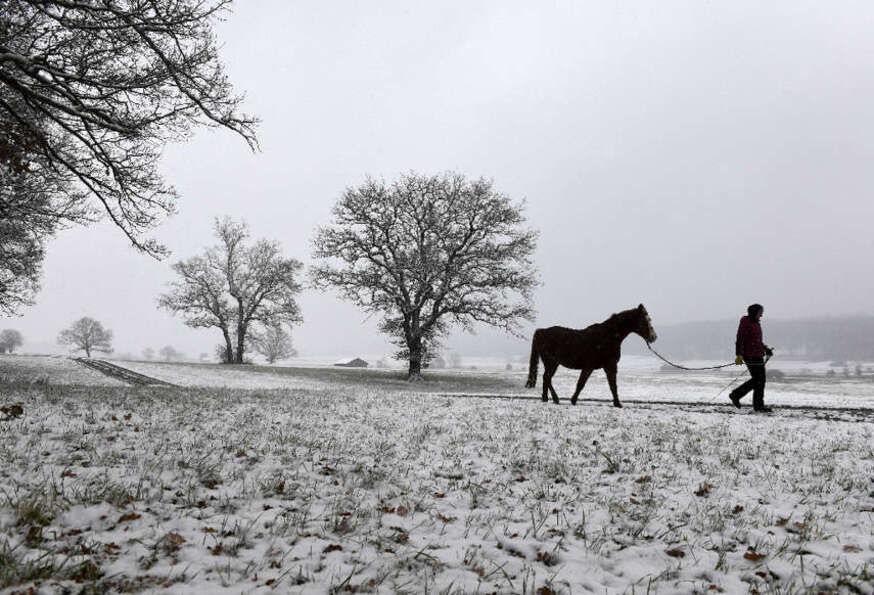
596, 346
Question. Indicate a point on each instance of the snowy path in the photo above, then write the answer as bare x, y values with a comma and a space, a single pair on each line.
834, 413
119, 373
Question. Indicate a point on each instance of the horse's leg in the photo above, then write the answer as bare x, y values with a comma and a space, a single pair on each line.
610, 370
547, 376
584, 375
549, 368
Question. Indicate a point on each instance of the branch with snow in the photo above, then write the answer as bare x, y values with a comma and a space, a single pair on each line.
98, 88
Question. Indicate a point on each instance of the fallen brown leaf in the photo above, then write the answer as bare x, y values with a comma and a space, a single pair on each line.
852, 548
131, 516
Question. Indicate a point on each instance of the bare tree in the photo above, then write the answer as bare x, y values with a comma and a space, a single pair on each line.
87, 334
232, 287
428, 251
169, 354
274, 343
149, 353
91, 91
10, 339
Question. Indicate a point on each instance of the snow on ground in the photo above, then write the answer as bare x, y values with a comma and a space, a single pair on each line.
50, 369
371, 488
639, 380
214, 375
254, 377
713, 387
213, 490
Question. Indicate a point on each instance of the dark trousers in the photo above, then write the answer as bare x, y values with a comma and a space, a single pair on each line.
756, 366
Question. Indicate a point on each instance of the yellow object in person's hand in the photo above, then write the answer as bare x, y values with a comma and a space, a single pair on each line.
739, 360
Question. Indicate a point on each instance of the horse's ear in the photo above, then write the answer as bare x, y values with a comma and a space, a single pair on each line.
641, 308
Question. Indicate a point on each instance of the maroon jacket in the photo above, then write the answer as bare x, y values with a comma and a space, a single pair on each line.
749, 339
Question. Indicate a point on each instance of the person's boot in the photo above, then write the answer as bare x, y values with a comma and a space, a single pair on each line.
735, 399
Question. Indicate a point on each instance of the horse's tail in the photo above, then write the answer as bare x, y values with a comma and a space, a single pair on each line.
532, 364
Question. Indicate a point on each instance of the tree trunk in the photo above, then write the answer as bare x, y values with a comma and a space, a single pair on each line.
241, 331
229, 347
415, 371
241, 340
87, 352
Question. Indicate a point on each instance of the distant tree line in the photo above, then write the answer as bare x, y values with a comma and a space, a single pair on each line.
838, 338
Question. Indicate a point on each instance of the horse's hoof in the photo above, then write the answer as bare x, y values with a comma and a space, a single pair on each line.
573, 401
617, 404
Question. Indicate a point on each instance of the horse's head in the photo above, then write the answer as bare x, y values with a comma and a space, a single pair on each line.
644, 325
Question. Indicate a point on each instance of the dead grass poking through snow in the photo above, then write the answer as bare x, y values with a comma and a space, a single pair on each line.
353, 489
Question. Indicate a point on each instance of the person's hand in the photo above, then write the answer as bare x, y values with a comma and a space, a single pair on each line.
738, 360
769, 352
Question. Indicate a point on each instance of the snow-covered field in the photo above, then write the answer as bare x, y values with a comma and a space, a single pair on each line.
185, 374
356, 483
50, 369
640, 379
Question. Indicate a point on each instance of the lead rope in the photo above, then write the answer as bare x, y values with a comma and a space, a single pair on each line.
733, 380
670, 363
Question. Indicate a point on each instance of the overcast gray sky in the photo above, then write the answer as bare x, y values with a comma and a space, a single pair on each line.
694, 156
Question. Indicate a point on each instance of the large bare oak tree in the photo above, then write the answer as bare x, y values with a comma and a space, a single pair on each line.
232, 287
426, 252
90, 92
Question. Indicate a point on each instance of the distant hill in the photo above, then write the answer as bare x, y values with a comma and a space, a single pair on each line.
838, 338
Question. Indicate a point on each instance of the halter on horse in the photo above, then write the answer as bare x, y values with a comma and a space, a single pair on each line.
596, 346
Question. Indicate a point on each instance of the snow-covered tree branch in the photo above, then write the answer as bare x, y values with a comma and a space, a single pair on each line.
91, 91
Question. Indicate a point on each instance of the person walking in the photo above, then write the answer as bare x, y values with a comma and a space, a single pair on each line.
751, 350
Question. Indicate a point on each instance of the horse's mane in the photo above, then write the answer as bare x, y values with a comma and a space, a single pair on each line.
621, 315
614, 319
